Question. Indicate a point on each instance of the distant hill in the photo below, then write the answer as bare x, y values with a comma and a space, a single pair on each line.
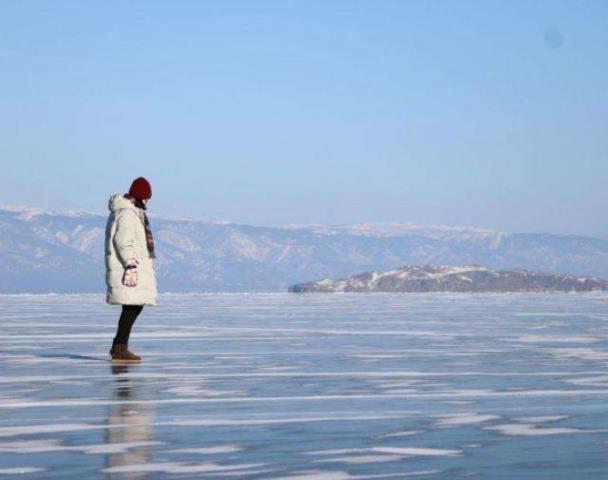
468, 278
44, 251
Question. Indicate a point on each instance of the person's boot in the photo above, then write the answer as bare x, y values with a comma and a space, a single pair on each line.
121, 353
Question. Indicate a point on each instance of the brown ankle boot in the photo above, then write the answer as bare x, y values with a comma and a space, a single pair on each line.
121, 353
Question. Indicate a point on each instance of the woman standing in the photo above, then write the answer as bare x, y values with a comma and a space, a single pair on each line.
130, 273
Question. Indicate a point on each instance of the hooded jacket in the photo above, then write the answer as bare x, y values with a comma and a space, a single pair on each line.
126, 240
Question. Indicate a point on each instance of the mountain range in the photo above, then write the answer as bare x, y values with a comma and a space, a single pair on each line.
466, 278
43, 251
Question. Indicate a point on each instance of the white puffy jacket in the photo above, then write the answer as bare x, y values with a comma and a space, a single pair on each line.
125, 240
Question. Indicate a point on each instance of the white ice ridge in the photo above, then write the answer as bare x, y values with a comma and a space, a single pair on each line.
404, 433
406, 451
362, 459
353, 374
20, 470
316, 398
419, 451
559, 338
340, 475
209, 450
209, 422
531, 430
212, 332
582, 353
541, 419
464, 419
596, 381
181, 468
40, 446
319, 475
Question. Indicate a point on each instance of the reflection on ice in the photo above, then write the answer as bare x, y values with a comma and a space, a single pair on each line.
129, 443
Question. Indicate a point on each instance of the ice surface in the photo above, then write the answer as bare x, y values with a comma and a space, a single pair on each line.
269, 386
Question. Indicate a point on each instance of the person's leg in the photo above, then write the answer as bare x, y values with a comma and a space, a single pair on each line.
127, 318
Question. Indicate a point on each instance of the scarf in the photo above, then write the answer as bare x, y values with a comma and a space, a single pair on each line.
149, 236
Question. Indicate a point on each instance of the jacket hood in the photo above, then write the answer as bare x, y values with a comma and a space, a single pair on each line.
118, 202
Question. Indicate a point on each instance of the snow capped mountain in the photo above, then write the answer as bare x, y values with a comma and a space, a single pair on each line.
468, 278
394, 229
46, 251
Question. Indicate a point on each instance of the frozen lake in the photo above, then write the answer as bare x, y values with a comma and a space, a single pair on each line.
308, 386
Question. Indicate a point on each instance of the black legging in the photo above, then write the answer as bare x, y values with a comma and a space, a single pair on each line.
127, 319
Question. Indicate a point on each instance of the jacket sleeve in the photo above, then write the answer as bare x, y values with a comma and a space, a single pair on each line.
124, 236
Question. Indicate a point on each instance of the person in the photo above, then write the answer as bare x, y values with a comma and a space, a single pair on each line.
129, 259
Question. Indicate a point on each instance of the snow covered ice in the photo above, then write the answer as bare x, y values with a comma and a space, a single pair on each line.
343, 386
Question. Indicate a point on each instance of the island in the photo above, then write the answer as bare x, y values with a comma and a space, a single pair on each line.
467, 278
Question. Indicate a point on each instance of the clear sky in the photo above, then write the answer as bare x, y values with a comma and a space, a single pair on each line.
493, 113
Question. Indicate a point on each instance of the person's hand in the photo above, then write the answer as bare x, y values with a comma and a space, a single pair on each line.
130, 277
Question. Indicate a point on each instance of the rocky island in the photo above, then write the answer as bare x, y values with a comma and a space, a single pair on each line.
468, 278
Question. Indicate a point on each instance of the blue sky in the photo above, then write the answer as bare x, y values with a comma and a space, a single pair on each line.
491, 113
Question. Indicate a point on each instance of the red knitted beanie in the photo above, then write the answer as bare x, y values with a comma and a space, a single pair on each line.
140, 189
